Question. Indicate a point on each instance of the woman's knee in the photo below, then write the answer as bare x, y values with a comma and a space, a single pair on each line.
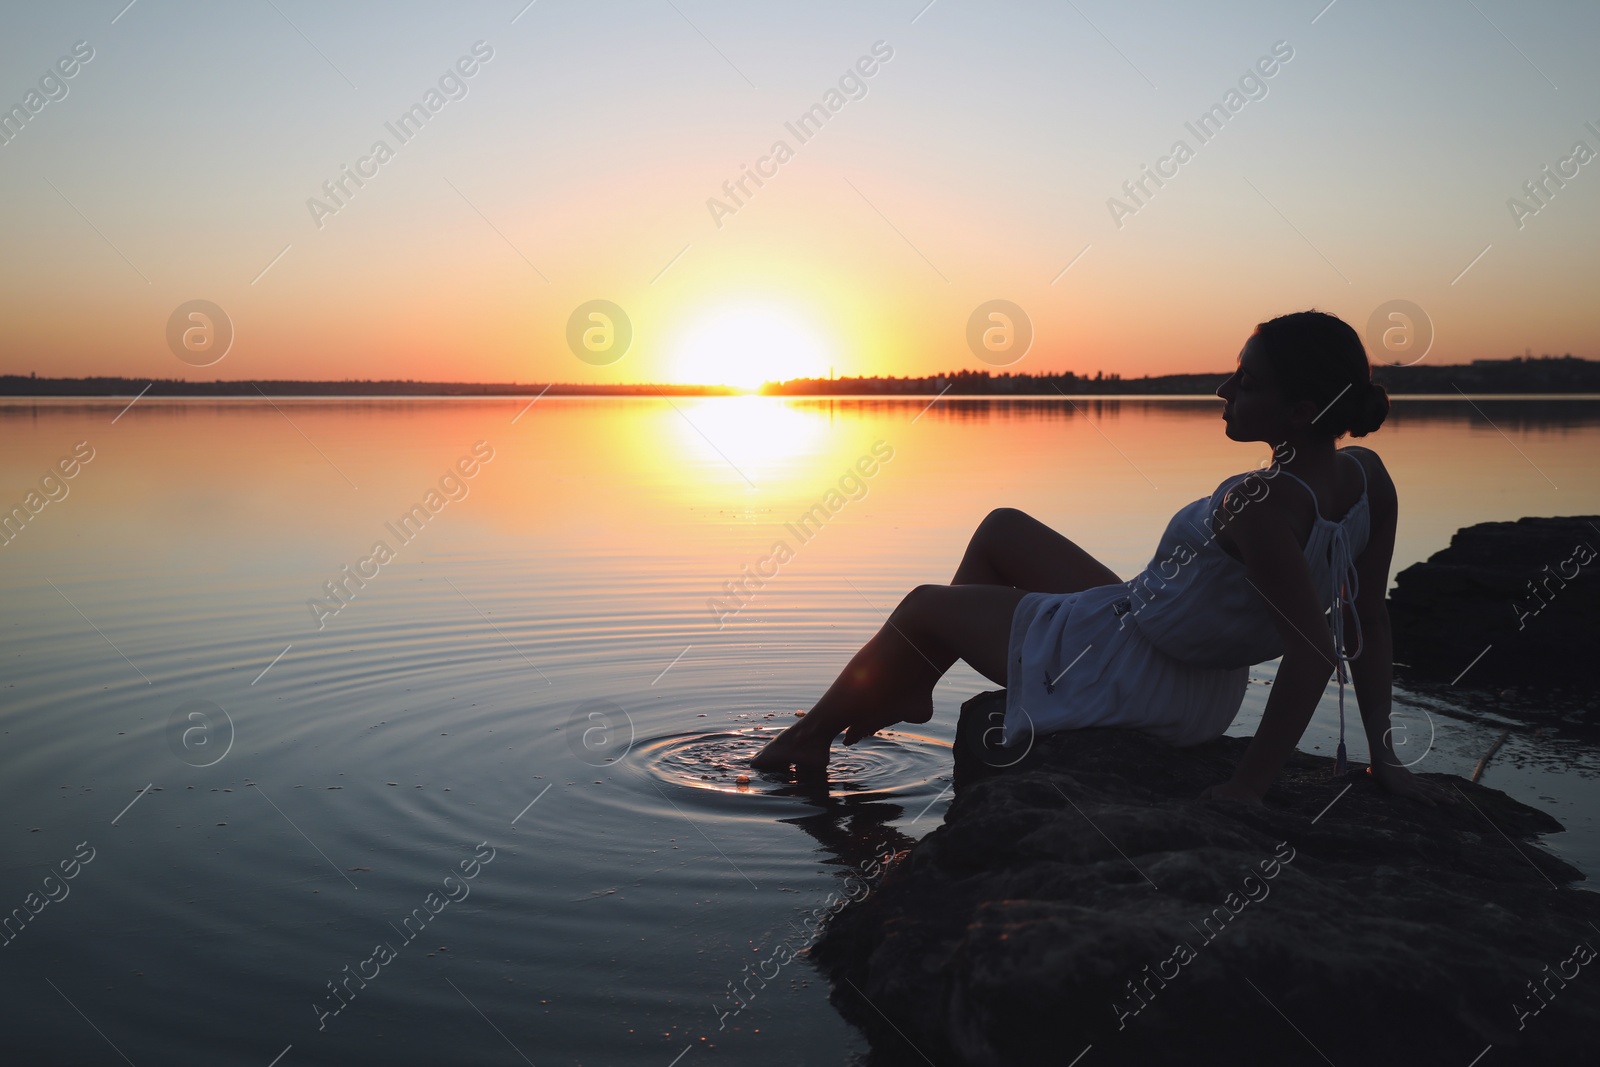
921, 600
1004, 517
1000, 526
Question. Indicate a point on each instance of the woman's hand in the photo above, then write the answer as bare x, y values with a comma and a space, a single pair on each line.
1230, 791
1393, 778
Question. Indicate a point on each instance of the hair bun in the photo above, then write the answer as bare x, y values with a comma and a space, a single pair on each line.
1371, 407
1319, 358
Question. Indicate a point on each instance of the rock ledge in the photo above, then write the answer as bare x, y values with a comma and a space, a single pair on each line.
1524, 591
1083, 898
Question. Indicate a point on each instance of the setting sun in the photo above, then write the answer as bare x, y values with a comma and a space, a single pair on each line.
744, 347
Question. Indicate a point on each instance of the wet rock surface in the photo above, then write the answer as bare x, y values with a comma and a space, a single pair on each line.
1525, 591
1083, 899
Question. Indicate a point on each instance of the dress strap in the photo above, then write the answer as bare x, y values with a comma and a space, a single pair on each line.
1362, 466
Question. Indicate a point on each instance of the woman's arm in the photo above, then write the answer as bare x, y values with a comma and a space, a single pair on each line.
1275, 565
1301, 680
1372, 672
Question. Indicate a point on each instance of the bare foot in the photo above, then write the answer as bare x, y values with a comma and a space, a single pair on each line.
805, 745
800, 746
913, 710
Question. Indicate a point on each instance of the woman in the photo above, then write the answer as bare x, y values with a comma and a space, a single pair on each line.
1245, 576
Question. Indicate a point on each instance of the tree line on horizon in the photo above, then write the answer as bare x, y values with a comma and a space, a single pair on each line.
1519, 374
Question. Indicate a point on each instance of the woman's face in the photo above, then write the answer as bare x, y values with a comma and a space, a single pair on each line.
1254, 408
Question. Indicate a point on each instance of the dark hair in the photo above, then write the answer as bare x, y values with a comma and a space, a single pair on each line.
1319, 357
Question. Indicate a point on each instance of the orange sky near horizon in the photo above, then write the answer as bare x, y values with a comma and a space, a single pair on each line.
979, 162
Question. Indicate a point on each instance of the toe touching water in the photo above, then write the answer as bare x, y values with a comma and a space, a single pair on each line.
807, 744
798, 747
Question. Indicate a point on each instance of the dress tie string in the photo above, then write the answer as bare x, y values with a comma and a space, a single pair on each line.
1345, 583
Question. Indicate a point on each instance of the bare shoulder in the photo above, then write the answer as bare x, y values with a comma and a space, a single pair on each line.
1383, 505
1251, 491
1251, 511
1380, 487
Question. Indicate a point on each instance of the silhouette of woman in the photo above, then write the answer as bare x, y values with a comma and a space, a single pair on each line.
1256, 571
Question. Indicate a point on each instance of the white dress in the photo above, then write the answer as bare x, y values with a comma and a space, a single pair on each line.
1169, 651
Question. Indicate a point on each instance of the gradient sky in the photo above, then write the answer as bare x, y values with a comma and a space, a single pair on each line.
977, 166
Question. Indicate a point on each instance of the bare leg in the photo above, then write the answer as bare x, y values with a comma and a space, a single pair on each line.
1013, 548
891, 678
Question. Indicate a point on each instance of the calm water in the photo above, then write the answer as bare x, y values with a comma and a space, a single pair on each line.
530, 686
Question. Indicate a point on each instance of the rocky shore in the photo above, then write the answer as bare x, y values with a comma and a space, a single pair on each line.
1083, 903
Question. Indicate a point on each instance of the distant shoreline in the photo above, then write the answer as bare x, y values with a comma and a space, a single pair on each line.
1548, 376
1190, 398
